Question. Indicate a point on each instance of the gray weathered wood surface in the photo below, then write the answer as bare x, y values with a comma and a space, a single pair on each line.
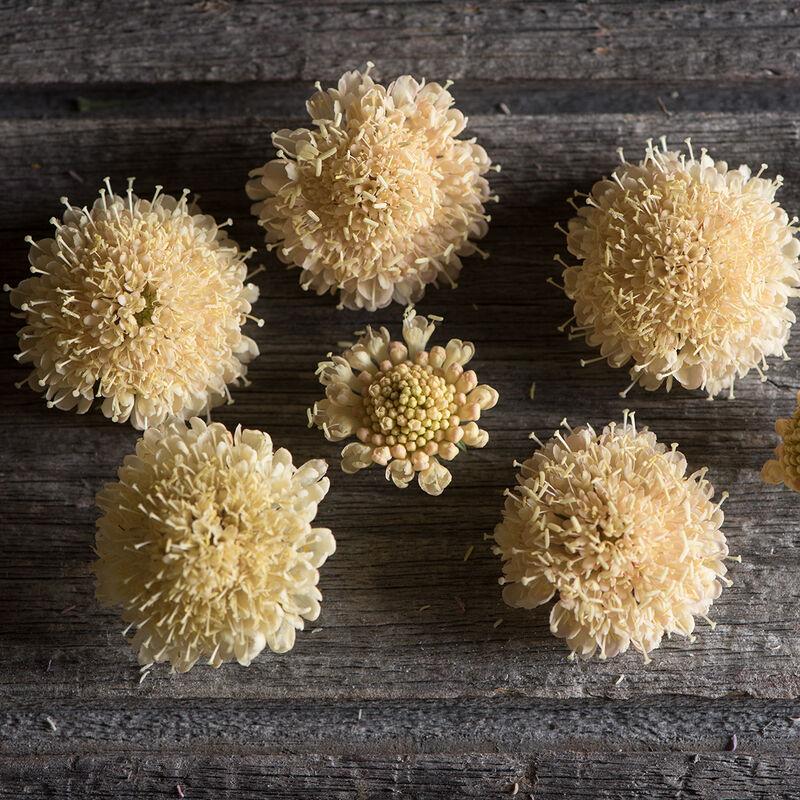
385, 699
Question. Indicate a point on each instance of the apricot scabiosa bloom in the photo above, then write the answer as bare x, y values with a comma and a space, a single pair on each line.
785, 467
408, 406
685, 267
611, 523
139, 302
206, 541
381, 198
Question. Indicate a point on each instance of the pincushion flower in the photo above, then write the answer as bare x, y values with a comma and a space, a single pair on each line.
380, 198
685, 267
408, 406
139, 302
206, 542
611, 523
785, 467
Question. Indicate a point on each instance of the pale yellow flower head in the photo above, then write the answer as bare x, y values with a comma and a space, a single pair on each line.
206, 542
380, 198
612, 524
785, 467
408, 406
140, 303
685, 268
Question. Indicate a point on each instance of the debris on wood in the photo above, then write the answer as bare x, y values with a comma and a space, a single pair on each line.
469, 552
663, 107
460, 603
51, 723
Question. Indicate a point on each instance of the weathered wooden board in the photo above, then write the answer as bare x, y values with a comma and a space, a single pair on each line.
545, 776
505, 723
251, 40
396, 691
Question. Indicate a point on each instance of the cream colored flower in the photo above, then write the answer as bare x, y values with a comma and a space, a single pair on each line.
139, 302
380, 198
408, 406
785, 468
685, 267
206, 541
611, 522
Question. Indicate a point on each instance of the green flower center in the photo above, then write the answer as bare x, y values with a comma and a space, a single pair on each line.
407, 405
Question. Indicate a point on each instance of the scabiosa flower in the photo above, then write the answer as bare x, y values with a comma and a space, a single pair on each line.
139, 302
408, 406
785, 467
611, 522
380, 198
206, 541
685, 267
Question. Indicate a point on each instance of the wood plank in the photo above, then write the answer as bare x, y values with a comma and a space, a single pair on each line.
251, 40
542, 776
270, 99
393, 728
398, 551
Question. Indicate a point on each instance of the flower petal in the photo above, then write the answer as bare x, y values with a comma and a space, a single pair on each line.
458, 352
474, 436
772, 472
400, 472
435, 479
416, 331
485, 396
356, 456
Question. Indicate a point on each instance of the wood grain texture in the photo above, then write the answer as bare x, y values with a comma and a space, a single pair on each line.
252, 40
396, 691
392, 728
269, 99
544, 776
